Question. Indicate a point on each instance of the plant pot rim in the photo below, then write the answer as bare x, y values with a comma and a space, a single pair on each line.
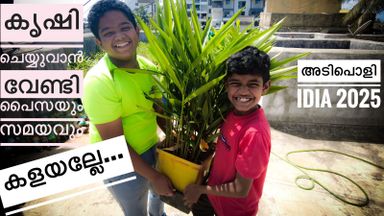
179, 159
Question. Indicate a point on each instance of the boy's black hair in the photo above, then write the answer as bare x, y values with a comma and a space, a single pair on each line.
249, 60
101, 7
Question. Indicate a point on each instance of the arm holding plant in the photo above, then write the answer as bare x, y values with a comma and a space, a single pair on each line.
239, 187
160, 183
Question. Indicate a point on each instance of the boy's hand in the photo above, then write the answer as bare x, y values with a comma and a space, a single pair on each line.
162, 185
191, 194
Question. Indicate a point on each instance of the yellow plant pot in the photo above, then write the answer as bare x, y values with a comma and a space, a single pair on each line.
180, 171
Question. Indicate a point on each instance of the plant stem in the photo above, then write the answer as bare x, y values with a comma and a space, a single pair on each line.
196, 149
180, 125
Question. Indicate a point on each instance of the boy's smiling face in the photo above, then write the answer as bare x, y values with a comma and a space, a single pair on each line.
118, 37
244, 92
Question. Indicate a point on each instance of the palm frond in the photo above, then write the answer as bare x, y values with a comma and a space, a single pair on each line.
363, 11
191, 61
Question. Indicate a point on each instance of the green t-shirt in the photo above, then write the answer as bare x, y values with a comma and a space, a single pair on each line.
111, 93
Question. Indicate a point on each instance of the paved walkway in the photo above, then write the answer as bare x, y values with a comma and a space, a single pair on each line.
281, 196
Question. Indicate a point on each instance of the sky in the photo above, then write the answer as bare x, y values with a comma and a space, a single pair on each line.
348, 4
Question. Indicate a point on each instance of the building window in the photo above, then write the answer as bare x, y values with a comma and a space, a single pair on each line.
216, 4
227, 2
241, 4
228, 13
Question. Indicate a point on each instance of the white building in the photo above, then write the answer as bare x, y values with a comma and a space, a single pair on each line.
203, 9
149, 5
219, 10
222, 10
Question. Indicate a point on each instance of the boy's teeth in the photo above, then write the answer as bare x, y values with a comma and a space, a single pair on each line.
241, 99
121, 44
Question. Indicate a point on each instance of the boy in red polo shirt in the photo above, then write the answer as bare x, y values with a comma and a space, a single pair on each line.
241, 158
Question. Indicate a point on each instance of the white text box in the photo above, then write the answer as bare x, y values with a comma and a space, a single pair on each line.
64, 171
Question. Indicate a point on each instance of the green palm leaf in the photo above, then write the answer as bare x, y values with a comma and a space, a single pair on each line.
191, 61
278, 63
206, 87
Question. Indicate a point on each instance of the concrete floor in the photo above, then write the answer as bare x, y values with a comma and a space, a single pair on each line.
281, 196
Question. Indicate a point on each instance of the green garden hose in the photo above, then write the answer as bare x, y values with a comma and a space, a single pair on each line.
313, 181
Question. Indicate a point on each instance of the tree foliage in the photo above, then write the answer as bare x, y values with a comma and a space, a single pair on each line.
363, 12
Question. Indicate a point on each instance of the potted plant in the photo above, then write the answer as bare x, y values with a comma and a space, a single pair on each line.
191, 62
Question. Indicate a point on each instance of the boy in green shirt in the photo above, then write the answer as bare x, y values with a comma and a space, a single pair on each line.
115, 103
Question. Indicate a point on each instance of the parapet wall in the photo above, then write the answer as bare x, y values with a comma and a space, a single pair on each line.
304, 22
